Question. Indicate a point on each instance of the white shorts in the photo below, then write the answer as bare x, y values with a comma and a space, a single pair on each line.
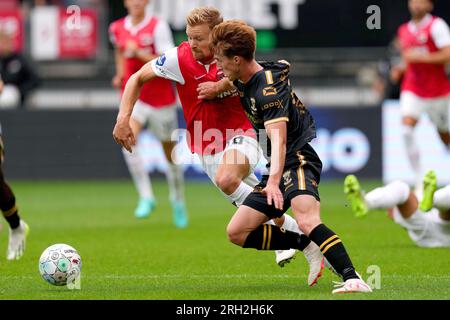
425, 229
413, 106
161, 121
245, 145
10, 97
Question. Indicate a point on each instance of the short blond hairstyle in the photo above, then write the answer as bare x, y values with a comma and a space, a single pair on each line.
204, 15
234, 38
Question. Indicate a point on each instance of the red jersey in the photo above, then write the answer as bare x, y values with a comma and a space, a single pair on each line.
202, 116
160, 92
424, 80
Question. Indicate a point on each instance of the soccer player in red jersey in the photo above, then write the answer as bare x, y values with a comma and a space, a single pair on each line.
138, 38
217, 130
425, 43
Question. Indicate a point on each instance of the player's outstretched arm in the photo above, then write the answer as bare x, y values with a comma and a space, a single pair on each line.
122, 131
439, 57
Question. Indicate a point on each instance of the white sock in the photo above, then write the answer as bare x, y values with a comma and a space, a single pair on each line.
411, 148
289, 224
239, 195
389, 196
140, 176
442, 199
175, 180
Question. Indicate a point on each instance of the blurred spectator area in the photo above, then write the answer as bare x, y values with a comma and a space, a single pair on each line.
334, 56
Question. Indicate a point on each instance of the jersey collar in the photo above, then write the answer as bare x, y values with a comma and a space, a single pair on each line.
135, 29
415, 27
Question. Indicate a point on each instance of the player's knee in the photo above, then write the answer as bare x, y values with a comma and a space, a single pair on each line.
227, 182
235, 235
308, 225
307, 217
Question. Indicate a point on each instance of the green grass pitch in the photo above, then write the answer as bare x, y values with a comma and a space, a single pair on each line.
126, 258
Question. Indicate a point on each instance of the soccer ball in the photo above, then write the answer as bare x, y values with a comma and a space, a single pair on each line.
60, 264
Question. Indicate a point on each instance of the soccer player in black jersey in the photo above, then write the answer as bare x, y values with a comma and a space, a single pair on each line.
285, 128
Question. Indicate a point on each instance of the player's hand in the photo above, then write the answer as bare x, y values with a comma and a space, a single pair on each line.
131, 48
396, 74
1, 86
414, 56
207, 90
117, 81
274, 195
123, 134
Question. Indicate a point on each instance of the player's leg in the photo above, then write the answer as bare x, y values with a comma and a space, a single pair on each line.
18, 229
301, 188
411, 108
307, 211
283, 257
232, 170
175, 181
236, 179
247, 229
442, 200
438, 113
394, 194
136, 167
163, 122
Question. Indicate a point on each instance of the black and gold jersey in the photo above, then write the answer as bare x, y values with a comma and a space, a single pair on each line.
268, 98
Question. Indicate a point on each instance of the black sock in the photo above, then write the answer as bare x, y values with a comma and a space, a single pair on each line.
333, 249
269, 237
13, 219
8, 204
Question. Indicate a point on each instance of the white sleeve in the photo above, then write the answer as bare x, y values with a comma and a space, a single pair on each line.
440, 33
167, 66
163, 37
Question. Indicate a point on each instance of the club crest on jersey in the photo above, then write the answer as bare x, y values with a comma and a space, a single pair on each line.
287, 179
161, 60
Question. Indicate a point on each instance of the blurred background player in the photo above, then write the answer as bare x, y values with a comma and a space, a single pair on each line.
425, 87
390, 71
18, 76
228, 161
18, 229
425, 229
138, 38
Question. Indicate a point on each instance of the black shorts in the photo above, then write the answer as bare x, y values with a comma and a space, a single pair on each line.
301, 179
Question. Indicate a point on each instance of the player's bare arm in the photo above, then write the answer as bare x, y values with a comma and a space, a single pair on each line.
210, 90
122, 131
133, 50
277, 133
118, 77
1, 86
439, 57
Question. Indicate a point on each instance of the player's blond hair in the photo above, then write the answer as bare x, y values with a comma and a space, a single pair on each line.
234, 38
204, 15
